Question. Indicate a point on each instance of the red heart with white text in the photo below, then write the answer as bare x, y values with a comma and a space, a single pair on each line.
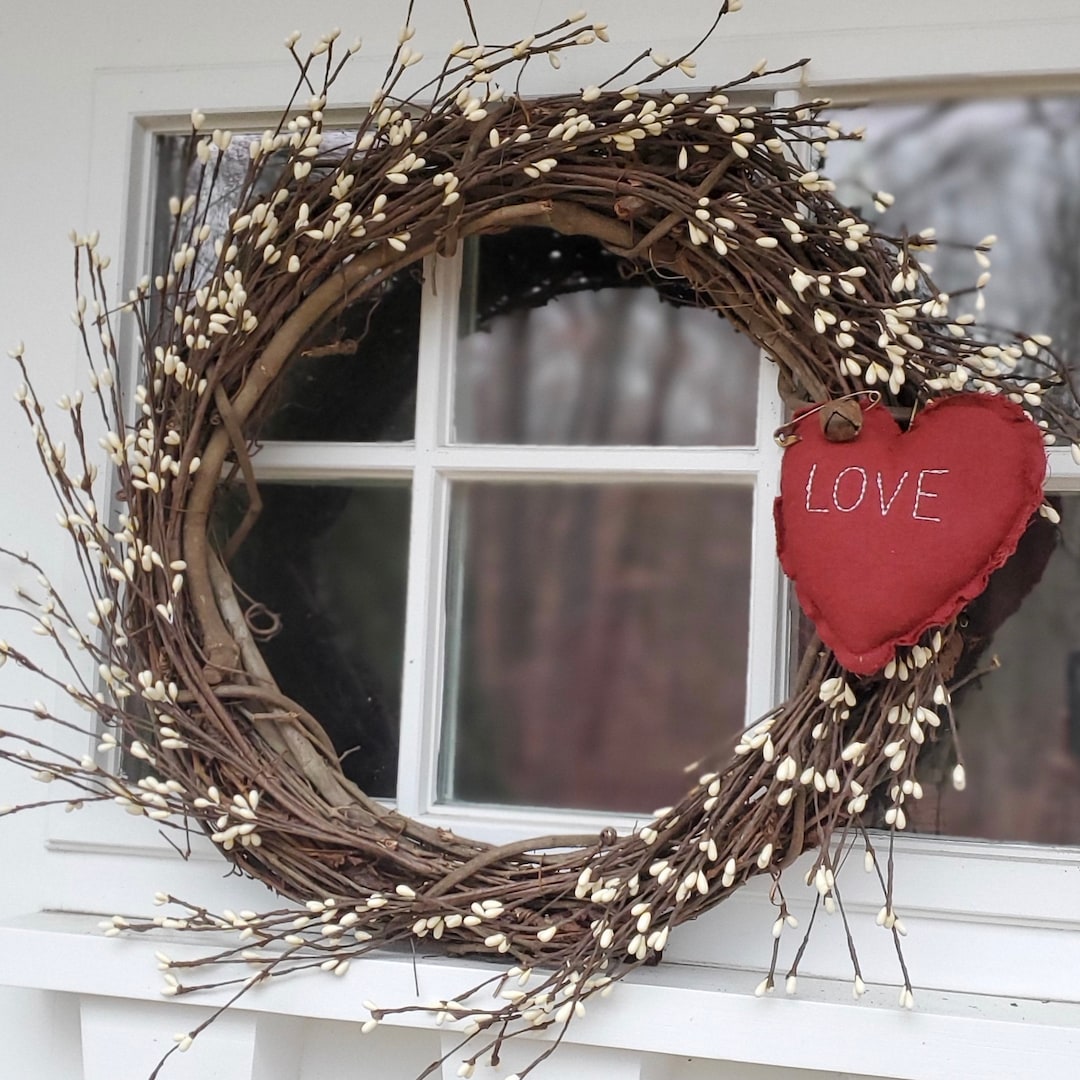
894, 532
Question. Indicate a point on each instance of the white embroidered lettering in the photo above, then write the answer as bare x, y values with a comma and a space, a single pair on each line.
809, 486
846, 499
922, 493
887, 506
836, 489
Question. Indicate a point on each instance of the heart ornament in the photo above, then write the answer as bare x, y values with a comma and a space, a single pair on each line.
894, 532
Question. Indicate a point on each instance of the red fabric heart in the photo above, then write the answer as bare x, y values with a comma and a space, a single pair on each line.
893, 533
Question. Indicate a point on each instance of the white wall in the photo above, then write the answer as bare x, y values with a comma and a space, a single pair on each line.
54, 60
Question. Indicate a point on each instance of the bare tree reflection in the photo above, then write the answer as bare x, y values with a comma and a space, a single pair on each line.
603, 633
1009, 167
599, 639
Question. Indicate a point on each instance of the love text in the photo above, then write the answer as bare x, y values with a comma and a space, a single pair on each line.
854, 486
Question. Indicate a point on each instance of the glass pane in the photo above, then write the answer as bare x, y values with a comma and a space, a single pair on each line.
597, 640
1009, 167
354, 378
559, 347
329, 561
1020, 725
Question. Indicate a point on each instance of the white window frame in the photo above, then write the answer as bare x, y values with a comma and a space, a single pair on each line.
1005, 900
434, 462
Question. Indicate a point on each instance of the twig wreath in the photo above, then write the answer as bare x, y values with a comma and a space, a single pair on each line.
689, 186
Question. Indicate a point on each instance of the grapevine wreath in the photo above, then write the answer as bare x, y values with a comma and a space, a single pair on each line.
691, 186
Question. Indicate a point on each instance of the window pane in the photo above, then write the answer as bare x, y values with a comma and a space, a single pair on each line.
329, 560
1020, 725
1009, 167
558, 347
597, 640
354, 378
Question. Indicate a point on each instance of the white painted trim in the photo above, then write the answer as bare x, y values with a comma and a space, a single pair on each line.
239, 1046
1002, 907
333, 461
422, 678
1062, 472
708, 1013
767, 673
621, 463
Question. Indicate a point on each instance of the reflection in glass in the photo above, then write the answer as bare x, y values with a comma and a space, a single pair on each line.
597, 640
1020, 725
330, 562
1008, 167
558, 346
354, 378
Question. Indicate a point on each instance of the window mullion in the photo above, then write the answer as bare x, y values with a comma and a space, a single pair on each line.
766, 668
617, 463
278, 461
770, 609
425, 614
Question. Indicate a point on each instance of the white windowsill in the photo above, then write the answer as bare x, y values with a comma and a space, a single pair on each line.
693, 1011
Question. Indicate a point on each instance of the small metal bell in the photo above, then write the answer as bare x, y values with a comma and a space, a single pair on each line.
841, 420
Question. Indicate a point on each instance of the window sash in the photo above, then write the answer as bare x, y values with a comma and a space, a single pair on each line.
434, 462
968, 898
